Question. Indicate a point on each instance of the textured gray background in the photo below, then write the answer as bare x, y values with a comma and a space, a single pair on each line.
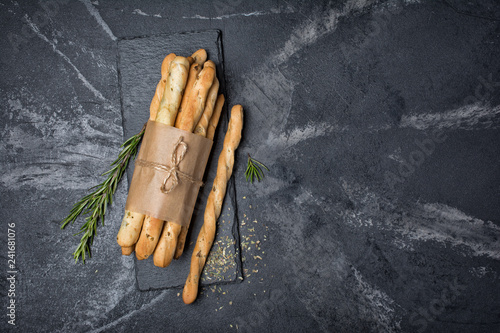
379, 121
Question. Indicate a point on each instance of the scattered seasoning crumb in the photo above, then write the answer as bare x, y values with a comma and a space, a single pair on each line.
223, 255
178, 294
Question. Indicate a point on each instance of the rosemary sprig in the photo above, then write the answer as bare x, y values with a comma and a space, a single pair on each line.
95, 203
254, 169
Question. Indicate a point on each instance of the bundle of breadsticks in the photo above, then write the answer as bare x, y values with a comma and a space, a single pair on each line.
187, 100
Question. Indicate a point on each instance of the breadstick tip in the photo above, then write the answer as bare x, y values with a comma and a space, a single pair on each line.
181, 60
127, 250
237, 111
209, 63
166, 64
200, 56
190, 291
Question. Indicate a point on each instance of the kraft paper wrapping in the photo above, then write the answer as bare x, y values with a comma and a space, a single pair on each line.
155, 156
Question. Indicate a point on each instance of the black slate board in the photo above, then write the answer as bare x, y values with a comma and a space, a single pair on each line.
139, 66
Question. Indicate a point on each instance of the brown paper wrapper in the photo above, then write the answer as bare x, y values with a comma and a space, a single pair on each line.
152, 166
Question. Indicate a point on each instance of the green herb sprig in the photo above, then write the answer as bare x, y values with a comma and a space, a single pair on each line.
254, 169
95, 203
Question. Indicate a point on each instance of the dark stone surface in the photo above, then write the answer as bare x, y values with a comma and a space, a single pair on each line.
379, 121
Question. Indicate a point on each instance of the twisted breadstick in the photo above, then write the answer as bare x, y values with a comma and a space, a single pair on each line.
212, 125
202, 126
209, 129
214, 204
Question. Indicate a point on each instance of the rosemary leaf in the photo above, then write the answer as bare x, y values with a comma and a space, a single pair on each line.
95, 203
254, 170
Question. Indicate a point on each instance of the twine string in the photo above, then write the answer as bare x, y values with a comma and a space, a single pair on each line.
172, 170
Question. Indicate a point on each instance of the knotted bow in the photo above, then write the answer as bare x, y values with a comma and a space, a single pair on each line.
174, 168
172, 171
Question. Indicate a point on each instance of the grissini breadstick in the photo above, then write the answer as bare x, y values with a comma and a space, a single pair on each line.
194, 70
181, 241
128, 250
200, 56
164, 253
151, 230
189, 117
196, 61
171, 99
160, 88
133, 221
129, 231
202, 126
167, 112
214, 204
186, 120
214, 107
212, 125
162, 257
